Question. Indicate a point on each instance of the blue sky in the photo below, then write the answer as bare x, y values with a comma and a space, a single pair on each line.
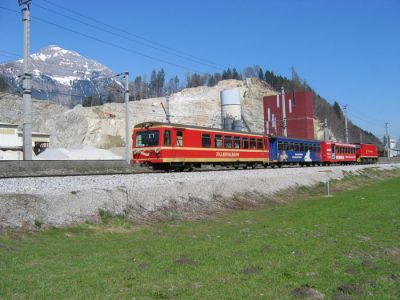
348, 51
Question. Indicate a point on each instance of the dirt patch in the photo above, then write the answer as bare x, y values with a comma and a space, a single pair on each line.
393, 252
184, 260
249, 270
393, 277
350, 289
265, 248
306, 292
351, 271
143, 266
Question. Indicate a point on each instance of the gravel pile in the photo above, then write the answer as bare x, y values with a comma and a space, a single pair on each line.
61, 201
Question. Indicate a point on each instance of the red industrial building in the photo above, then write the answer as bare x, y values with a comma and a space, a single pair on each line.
299, 115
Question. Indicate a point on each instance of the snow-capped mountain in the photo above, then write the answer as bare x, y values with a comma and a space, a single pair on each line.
62, 76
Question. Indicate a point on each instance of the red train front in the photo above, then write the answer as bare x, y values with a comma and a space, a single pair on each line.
174, 146
366, 153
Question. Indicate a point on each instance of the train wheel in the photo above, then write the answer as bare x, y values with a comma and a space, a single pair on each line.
245, 166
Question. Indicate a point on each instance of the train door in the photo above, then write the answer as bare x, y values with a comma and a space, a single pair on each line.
273, 149
333, 152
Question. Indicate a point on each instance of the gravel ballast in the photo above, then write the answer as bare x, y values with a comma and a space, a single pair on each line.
62, 201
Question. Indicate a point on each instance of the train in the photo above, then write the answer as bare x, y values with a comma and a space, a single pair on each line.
168, 146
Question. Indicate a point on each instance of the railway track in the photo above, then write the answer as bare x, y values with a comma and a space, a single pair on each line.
128, 170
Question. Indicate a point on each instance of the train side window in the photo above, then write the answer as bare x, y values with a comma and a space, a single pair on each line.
218, 141
245, 143
206, 140
296, 147
280, 146
167, 138
228, 142
252, 143
179, 138
301, 147
236, 142
318, 149
285, 145
259, 144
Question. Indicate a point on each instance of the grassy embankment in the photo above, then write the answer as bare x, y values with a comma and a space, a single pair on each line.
346, 247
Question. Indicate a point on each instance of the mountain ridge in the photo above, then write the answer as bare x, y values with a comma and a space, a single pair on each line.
60, 75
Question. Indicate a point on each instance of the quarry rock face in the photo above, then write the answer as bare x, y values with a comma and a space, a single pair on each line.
104, 126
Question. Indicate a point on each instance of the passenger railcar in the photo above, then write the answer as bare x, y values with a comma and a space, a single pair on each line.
292, 151
338, 153
168, 146
366, 153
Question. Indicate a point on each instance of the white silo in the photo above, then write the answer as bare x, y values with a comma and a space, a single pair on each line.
231, 112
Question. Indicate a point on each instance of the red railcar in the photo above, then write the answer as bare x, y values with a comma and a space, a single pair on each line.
366, 153
338, 153
174, 146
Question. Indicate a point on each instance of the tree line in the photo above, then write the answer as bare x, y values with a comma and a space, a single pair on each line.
158, 85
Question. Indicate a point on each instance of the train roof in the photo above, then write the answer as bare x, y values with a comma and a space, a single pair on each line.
176, 125
294, 139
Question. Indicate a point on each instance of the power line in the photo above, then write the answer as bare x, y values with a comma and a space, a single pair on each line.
127, 38
106, 42
159, 45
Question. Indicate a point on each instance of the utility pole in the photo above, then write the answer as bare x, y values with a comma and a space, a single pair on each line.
346, 132
167, 110
128, 148
26, 83
326, 137
284, 113
387, 140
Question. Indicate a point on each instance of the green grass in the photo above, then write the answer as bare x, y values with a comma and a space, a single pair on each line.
350, 240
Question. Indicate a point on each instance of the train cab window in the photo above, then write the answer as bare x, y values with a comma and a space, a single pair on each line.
167, 138
259, 144
218, 141
280, 146
179, 138
206, 140
333, 149
313, 146
228, 142
252, 143
148, 138
245, 143
236, 142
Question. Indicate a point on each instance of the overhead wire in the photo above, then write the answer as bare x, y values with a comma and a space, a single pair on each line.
126, 37
157, 44
106, 42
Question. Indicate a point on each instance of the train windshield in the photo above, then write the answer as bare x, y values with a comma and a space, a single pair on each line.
147, 138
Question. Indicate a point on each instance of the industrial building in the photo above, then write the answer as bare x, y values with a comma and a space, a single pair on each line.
11, 146
299, 111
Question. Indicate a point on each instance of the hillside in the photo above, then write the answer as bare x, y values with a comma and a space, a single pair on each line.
103, 126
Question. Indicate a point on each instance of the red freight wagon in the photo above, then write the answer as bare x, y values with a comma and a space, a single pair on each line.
338, 153
366, 153
168, 146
